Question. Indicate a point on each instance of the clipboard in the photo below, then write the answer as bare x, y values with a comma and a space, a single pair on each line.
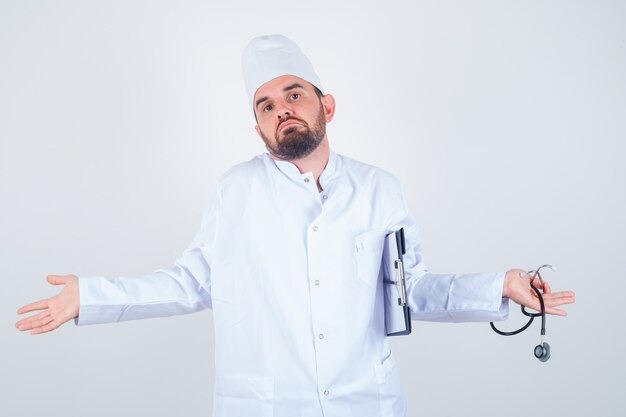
397, 312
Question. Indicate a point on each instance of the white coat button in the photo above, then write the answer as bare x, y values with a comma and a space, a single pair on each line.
315, 228
317, 282
324, 197
321, 336
326, 392
306, 180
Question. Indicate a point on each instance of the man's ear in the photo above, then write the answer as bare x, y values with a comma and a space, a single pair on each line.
328, 104
256, 127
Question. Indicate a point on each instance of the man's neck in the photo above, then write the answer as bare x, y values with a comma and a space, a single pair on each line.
315, 162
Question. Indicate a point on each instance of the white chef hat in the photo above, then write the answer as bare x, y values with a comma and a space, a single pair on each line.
270, 56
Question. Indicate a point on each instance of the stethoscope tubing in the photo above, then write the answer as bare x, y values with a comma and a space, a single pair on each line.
542, 313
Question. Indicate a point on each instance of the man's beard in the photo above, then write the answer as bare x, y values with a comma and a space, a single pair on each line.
297, 142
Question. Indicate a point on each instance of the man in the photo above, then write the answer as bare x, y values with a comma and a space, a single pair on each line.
288, 257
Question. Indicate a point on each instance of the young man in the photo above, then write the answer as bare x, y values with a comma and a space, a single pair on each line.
288, 257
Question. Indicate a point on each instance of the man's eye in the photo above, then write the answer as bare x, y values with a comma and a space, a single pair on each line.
268, 107
295, 96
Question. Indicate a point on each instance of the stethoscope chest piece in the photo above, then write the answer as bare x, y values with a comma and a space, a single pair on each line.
542, 352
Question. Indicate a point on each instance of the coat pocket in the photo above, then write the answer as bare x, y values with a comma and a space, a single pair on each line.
242, 396
390, 394
368, 249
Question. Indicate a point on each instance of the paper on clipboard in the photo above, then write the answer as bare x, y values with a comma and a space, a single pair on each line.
397, 313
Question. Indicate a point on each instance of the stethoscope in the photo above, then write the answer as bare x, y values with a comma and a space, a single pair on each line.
542, 350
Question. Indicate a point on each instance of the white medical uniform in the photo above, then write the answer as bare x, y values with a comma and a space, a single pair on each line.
294, 280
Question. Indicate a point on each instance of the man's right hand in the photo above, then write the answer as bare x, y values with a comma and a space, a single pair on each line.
57, 310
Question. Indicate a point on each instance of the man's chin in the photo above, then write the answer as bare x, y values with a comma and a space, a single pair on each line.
285, 132
295, 152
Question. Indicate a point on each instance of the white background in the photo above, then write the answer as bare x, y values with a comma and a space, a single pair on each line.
505, 120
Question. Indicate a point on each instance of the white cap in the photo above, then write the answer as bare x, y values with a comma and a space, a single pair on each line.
270, 56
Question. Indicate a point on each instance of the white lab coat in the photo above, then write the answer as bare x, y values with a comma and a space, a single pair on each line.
293, 278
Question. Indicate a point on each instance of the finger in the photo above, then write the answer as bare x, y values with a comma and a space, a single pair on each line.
556, 312
46, 328
541, 285
57, 279
564, 294
557, 299
560, 301
551, 301
561, 295
535, 309
37, 305
37, 323
22, 324
546, 288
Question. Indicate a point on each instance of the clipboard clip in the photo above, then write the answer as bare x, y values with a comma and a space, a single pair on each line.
397, 311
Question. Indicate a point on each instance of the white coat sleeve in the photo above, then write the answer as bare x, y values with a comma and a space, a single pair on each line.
181, 289
447, 297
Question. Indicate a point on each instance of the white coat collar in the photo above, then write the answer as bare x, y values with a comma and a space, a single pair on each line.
292, 171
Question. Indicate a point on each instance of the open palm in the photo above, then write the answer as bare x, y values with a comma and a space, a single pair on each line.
56, 310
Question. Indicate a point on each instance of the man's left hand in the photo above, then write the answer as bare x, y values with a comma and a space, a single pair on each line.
517, 288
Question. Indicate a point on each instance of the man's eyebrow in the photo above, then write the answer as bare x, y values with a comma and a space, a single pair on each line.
292, 86
261, 100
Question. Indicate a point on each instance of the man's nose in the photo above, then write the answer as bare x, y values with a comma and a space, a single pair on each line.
284, 111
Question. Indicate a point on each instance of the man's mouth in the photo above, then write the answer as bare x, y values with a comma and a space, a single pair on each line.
287, 123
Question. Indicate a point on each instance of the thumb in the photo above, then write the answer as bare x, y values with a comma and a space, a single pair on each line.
57, 279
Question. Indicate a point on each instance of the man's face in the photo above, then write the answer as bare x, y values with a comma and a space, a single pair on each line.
291, 118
